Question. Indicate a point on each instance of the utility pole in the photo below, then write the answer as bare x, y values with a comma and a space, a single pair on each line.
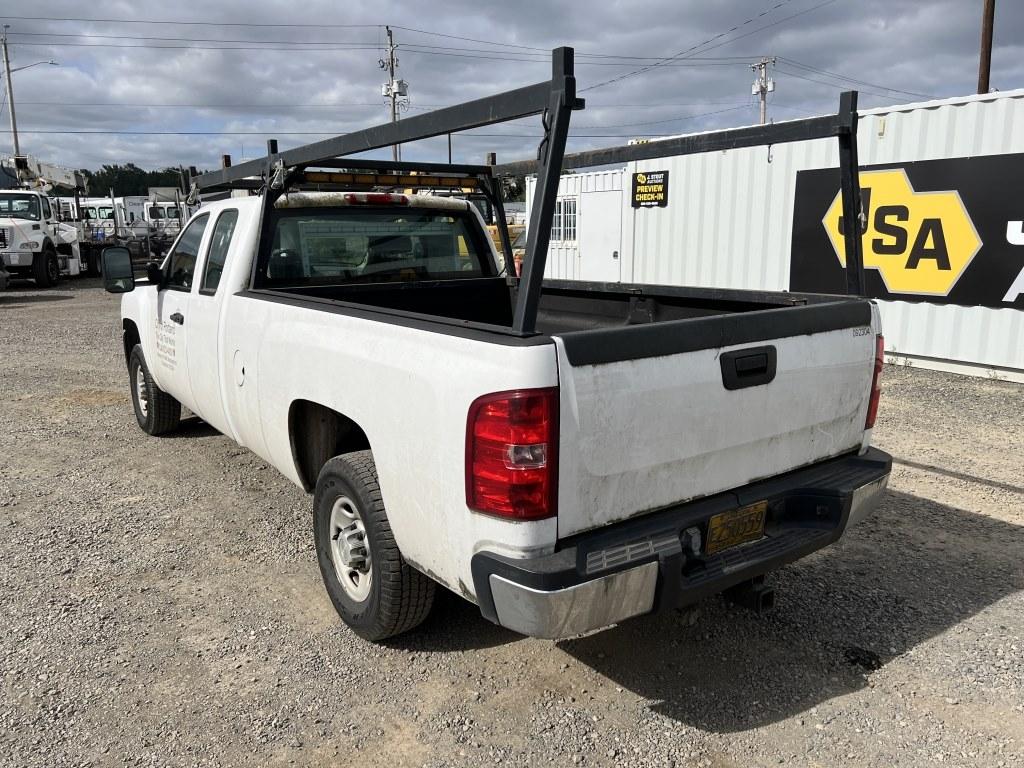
985, 61
763, 85
395, 90
10, 92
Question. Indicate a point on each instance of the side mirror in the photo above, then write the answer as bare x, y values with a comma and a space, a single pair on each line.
118, 274
154, 274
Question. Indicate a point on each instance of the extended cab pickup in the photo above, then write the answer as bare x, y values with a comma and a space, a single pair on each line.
639, 447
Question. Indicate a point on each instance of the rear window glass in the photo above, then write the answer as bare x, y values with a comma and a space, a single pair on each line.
356, 245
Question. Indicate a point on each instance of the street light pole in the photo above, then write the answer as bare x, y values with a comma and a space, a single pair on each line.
10, 93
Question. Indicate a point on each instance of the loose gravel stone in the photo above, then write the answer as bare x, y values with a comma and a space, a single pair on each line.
161, 607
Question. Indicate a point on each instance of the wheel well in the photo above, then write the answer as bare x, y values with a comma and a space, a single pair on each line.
48, 245
317, 434
131, 338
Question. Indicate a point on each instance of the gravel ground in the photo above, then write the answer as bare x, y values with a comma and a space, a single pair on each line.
161, 606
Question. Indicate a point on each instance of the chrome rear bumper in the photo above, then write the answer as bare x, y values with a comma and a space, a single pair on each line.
566, 593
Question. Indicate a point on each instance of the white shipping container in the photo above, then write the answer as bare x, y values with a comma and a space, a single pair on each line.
729, 223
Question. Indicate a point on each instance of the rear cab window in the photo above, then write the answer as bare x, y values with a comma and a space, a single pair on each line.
356, 244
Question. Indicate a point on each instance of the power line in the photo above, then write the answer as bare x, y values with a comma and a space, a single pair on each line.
837, 76
733, 108
192, 23
547, 60
209, 106
326, 48
278, 105
472, 39
292, 48
686, 51
309, 133
265, 25
769, 26
91, 36
439, 49
830, 85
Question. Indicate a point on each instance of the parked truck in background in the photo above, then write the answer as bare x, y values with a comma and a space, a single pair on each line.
34, 242
564, 455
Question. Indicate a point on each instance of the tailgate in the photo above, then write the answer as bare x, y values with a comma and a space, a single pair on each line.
653, 415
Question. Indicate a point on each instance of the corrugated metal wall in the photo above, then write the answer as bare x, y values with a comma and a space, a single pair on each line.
730, 216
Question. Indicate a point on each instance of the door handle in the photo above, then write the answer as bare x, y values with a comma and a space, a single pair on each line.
749, 367
178, 318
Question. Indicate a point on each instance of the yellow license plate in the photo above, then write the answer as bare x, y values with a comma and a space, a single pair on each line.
737, 526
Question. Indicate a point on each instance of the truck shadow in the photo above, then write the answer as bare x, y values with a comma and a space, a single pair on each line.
16, 299
191, 427
912, 571
454, 625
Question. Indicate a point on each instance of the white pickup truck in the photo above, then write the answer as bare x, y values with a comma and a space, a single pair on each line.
637, 448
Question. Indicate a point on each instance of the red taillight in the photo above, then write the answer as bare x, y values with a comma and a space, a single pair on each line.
375, 198
512, 454
876, 383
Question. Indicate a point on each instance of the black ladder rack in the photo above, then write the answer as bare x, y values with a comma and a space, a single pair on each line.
555, 99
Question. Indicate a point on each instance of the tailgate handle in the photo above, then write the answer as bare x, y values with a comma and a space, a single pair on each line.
749, 367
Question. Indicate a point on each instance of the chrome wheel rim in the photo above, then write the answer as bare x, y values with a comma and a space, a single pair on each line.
350, 551
141, 393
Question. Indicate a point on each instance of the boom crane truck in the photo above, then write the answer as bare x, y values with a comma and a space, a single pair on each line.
35, 241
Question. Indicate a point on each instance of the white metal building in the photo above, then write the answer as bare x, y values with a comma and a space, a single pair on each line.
729, 223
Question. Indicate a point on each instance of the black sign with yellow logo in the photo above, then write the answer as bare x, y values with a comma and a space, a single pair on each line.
650, 189
942, 231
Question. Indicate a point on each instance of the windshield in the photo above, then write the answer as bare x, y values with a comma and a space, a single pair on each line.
356, 245
172, 212
106, 212
155, 212
19, 207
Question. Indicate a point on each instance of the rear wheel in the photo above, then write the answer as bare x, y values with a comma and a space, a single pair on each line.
375, 591
155, 410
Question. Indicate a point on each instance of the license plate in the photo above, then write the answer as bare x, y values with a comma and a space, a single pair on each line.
737, 526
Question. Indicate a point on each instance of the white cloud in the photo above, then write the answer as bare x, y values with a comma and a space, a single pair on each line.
917, 47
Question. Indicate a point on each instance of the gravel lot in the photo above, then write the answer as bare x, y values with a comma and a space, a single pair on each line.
161, 606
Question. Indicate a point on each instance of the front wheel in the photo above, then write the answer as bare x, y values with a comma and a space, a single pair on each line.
375, 591
45, 269
155, 410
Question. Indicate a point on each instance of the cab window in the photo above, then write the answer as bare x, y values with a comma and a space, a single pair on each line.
219, 242
47, 212
182, 260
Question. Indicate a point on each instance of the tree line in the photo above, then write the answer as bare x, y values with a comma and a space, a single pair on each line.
129, 179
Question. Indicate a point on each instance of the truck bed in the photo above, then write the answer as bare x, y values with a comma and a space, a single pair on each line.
565, 306
667, 394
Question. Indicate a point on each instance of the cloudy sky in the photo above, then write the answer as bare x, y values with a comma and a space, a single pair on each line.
158, 83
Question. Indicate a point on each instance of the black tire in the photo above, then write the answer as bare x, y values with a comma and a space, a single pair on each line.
161, 412
92, 263
52, 265
42, 268
400, 597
